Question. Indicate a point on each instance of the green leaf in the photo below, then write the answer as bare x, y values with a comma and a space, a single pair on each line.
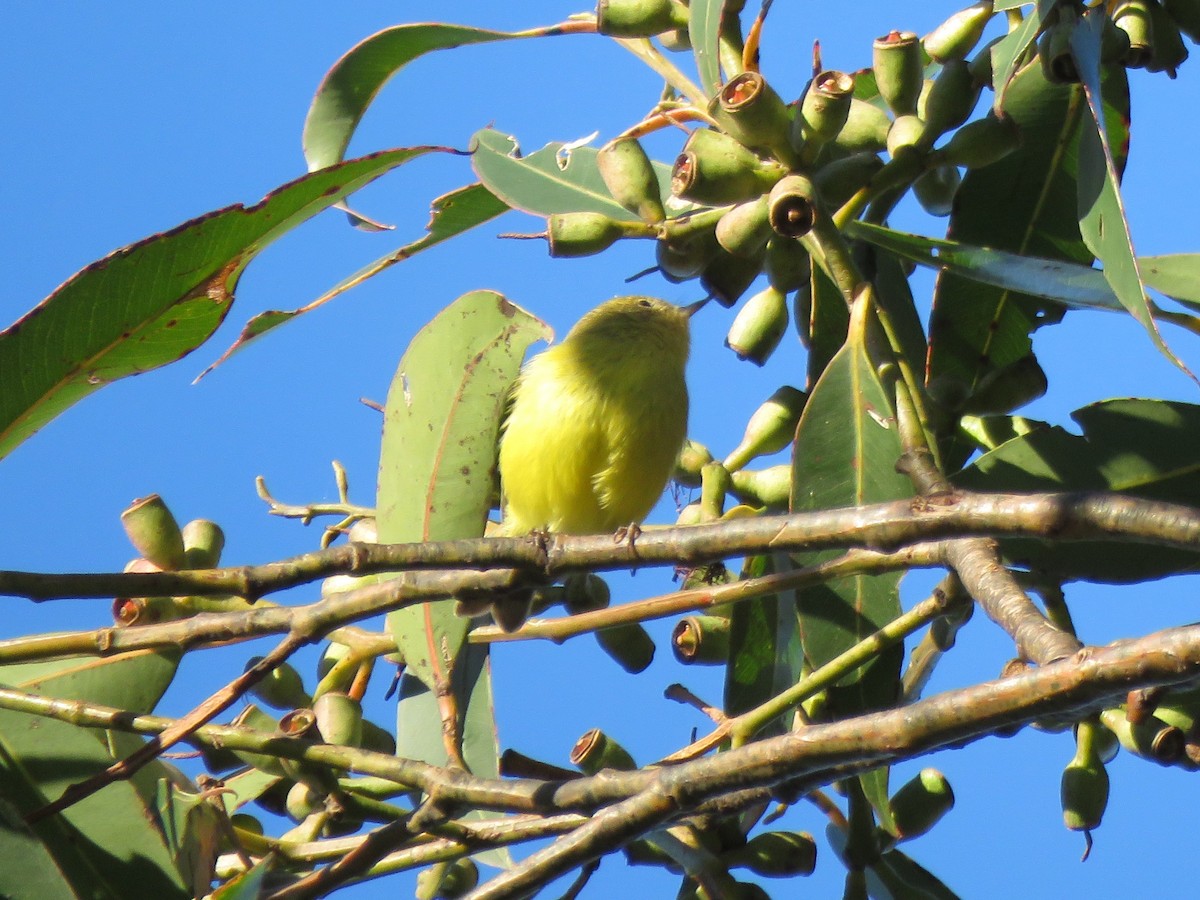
704, 30
1102, 220
1025, 204
896, 876
1071, 284
249, 885
352, 83
108, 844
451, 215
823, 330
437, 463
764, 645
1008, 52
191, 826
436, 475
845, 454
1140, 447
1176, 275
152, 302
556, 179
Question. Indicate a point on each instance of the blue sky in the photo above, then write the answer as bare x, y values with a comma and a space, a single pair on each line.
126, 119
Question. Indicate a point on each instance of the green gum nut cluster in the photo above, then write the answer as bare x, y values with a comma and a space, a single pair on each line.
771, 427
595, 751
897, 60
639, 18
776, 854
629, 176
759, 326
751, 111
921, 803
715, 169
958, 35
823, 113
701, 640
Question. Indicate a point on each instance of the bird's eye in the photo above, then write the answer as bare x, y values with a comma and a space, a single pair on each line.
646, 303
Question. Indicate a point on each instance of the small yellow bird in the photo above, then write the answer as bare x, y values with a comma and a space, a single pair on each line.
597, 421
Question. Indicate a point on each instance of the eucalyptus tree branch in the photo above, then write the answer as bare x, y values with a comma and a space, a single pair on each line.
854, 562
977, 563
802, 759
811, 756
882, 526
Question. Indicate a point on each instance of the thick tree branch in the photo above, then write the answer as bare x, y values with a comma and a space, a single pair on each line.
884, 526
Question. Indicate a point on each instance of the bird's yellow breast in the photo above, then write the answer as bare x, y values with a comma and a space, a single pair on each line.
596, 425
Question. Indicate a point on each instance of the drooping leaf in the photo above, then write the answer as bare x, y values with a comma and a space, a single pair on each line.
108, 844
764, 645
248, 885
1102, 220
824, 323
436, 475
1177, 275
354, 80
1025, 204
1010, 50
1139, 447
152, 302
704, 29
845, 454
896, 876
451, 215
554, 179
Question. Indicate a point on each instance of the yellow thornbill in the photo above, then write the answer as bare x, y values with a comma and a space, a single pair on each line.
597, 421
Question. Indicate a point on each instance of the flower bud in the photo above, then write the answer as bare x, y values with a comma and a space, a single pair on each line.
1054, 51
1169, 52
1186, 15
203, 542
899, 70
585, 592
1084, 785
630, 178
585, 233
377, 739
630, 646
750, 110
841, 179
596, 750
958, 35
759, 326
743, 231
281, 688
770, 488
701, 640
950, 99
692, 458
1133, 17
787, 264
1010, 387
448, 880
682, 259
824, 110
908, 138
638, 18
154, 532
936, 188
921, 803
776, 854
715, 169
339, 719
726, 277
690, 515
676, 40
982, 142
1151, 739
794, 206
866, 128
771, 428
303, 801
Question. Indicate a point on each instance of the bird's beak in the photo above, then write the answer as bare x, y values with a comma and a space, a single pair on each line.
692, 308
